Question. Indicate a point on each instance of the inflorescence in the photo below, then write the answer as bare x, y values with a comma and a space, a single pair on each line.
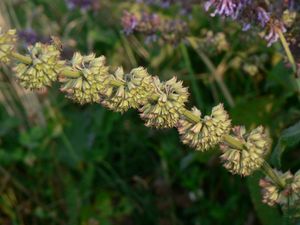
88, 79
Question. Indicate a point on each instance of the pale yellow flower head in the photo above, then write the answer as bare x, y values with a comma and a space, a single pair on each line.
256, 145
7, 44
167, 103
93, 81
206, 133
287, 196
135, 91
44, 67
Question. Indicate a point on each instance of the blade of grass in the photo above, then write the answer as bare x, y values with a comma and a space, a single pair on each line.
188, 64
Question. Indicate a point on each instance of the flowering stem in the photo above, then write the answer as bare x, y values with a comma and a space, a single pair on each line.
230, 140
268, 171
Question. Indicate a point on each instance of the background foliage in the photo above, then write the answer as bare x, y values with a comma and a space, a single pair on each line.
61, 163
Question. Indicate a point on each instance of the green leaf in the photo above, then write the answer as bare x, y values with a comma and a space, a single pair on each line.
289, 138
266, 214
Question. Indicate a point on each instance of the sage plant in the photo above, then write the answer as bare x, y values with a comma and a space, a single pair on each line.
162, 104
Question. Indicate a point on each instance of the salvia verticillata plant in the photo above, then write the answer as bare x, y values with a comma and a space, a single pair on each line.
162, 104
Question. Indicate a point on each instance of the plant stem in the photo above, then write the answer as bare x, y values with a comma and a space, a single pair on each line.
268, 171
234, 142
195, 89
214, 72
21, 58
68, 72
189, 115
287, 50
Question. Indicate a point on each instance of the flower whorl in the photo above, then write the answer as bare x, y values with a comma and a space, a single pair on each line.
135, 91
7, 44
289, 195
164, 110
208, 132
44, 67
251, 157
92, 82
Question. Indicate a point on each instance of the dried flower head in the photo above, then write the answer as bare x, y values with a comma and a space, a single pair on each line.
251, 157
287, 196
93, 80
163, 111
7, 44
136, 89
208, 132
44, 67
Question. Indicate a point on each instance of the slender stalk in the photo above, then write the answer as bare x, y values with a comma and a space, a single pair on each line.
68, 72
195, 89
268, 171
287, 50
234, 142
189, 115
214, 72
21, 58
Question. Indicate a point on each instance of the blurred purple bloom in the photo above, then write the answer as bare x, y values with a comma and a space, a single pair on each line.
81, 4
262, 16
129, 22
28, 36
246, 26
222, 7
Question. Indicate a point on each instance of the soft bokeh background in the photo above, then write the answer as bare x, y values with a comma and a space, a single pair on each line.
62, 163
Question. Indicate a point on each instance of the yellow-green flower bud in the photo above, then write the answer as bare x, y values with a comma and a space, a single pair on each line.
43, 69
136, 88
166, 105
251, 157
93, 81
7, 44
208, 132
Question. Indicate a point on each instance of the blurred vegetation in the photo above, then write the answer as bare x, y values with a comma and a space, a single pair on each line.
61, 163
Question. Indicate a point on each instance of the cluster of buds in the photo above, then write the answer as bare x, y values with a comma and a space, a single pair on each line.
43, 69
7, 44
92, 81
134, 91
164, 110
206, 133
154, 27
286, 196
250, 157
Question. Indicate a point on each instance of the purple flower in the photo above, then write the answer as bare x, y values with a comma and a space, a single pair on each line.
28, 36
262, 16
129, 22
82, 4
222, 7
